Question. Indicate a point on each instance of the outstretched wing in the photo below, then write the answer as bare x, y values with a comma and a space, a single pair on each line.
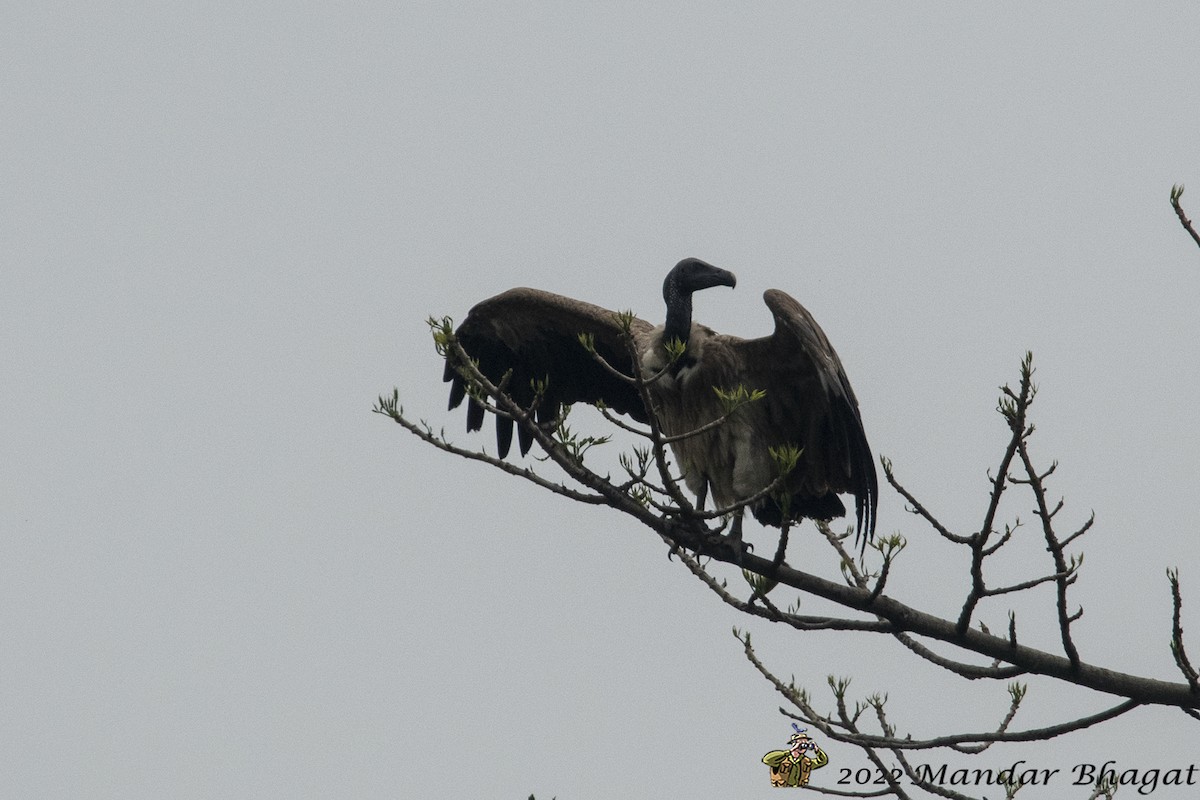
535, 334
809, 403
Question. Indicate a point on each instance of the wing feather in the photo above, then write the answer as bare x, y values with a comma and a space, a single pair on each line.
535, 334
809, 403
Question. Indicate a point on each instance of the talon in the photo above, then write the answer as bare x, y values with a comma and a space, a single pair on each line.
740, 549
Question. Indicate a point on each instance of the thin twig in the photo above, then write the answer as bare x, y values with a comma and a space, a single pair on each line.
1013, 411
1063, 573
426, 435
1176, 193
918, 508
1177, 649
1087, 526
969, 671
770, 612
1032, 735
1029, 584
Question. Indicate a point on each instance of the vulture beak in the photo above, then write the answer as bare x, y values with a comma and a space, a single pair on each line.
702, 275
721, 277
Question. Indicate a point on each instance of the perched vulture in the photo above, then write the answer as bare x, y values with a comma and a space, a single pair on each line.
808, 403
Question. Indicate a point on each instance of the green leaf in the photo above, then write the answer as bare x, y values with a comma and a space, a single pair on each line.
785, 457
759, 583
732, 399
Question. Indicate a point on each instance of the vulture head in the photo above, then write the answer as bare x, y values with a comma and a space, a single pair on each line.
692, 275
689, 275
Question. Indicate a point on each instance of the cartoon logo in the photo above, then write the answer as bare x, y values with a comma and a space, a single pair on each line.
794, 766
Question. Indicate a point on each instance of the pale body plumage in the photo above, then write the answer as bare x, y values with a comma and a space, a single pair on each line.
687, 401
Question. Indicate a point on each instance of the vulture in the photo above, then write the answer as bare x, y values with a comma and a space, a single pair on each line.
532, 335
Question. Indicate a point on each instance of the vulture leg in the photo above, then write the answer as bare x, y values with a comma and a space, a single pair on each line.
735, 532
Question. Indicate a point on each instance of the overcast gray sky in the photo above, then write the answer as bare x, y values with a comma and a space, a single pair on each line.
222, 227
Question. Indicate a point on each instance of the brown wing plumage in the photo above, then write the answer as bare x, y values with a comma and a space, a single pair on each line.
809, 403
536, 335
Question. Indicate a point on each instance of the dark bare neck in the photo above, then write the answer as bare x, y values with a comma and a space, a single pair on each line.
679, 316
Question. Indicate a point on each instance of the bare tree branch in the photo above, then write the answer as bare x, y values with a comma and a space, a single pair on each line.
685, 530
891, 742
1177, 649
1176, 193
389, 407
663, 507
1012, 409
916, 506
